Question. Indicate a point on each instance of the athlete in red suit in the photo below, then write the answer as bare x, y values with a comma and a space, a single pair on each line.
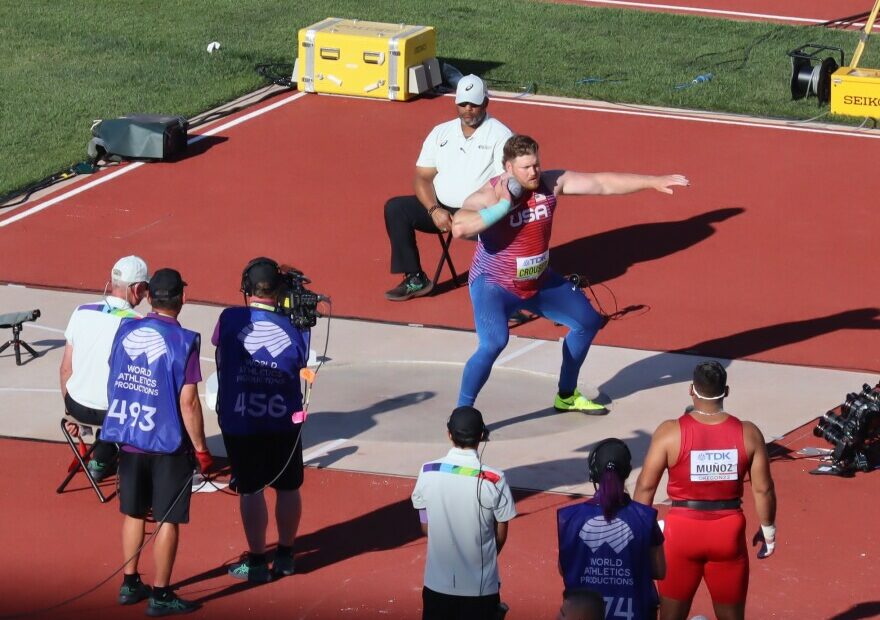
708, 453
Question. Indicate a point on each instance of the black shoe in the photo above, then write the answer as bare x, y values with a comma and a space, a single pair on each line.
129, 595
412, 286
284, 565
173, 605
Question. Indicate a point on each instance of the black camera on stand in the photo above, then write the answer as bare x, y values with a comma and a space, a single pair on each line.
299, 303
854, 432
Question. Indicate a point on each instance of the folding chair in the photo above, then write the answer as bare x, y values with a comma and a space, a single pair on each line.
445, 242
80, 458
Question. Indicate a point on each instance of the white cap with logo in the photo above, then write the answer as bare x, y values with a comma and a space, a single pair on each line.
130, 270
470, 89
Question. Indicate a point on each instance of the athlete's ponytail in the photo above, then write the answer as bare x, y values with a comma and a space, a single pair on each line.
611, 493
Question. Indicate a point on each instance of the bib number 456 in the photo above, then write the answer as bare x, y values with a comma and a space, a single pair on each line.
141, 415
258, 405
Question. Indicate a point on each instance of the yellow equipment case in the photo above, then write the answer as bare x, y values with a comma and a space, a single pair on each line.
369, 59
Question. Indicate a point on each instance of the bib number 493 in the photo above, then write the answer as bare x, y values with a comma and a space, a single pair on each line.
141, 415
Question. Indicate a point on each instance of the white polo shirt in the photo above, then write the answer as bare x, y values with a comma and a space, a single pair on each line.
90, 331
463, 164
462, 558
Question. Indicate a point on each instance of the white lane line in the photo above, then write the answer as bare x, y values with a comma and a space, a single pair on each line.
323, 450
692, 9
208, 359
696, 119
510, 356
136, 165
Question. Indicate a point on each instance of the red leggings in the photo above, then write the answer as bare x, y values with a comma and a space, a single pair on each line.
714, 549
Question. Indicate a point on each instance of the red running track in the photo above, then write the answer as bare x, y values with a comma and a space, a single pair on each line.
801, 12
769, 255
359, 553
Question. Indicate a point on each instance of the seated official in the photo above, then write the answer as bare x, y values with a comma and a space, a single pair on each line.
84, 368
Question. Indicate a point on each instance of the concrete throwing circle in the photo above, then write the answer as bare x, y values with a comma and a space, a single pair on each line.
410, 402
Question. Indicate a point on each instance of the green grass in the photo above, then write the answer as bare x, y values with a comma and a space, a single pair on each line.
66, 64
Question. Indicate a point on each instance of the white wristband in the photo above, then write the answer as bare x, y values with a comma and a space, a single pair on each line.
769, 532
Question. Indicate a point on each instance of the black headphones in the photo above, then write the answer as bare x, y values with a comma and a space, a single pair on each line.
247, 285
462, 438
593, 462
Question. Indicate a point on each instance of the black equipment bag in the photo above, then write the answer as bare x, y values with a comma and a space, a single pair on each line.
139, 136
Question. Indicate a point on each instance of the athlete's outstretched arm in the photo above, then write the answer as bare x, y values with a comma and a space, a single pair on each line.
612, 183
481, 209
655, 463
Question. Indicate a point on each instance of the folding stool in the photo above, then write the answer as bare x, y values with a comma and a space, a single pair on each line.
80, 458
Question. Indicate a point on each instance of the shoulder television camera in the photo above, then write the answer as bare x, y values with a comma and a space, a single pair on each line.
299, 303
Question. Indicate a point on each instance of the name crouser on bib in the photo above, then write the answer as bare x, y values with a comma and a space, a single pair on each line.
531, 267
714, 465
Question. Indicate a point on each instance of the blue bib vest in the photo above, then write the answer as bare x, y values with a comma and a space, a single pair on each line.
147, 373
259, 357
612, 558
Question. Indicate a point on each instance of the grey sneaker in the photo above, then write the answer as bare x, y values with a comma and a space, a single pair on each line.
284, 565
170, 606
258, 573
129, 595
411, 286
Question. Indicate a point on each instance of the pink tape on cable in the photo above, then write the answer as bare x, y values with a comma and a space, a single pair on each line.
299, 417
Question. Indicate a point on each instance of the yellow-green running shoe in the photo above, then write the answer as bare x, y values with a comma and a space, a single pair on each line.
578, 402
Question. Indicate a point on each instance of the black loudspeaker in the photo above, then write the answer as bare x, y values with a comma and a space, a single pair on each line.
139, 136
809, 79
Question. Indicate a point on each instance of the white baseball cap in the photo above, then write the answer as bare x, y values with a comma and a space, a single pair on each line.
130, 269
470, 90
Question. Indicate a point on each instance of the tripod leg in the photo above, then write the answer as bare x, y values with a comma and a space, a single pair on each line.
29, 349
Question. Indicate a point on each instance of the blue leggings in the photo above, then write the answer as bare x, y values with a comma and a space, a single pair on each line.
557, 300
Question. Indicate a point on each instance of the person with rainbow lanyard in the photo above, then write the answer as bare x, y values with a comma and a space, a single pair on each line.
510, 269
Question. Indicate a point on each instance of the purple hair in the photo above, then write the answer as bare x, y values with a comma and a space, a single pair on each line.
611, 494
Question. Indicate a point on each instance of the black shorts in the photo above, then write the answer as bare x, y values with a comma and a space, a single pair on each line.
437, 606
81, 413
162, 482
256, 460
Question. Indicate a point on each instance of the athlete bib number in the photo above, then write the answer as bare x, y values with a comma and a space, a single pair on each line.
141, 415
713, 465
257, 405
619, 607
531, 267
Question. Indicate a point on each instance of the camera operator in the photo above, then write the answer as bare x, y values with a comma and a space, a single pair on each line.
259, 356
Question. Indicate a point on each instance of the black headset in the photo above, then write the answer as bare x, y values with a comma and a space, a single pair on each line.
462, 438
593, 461
247, 285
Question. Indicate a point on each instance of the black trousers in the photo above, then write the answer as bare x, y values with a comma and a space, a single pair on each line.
404, 215
437, 606
104, 451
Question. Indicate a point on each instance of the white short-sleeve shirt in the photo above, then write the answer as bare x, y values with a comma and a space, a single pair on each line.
463, 164
90, 331
463, 499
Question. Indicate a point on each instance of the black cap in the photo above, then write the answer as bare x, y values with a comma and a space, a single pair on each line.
467, 423
613, 451
166, 283
264, 271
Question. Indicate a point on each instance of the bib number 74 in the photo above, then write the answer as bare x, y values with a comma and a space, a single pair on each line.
619, 607
141, 415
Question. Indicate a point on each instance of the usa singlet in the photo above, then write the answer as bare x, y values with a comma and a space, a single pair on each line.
514, 253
